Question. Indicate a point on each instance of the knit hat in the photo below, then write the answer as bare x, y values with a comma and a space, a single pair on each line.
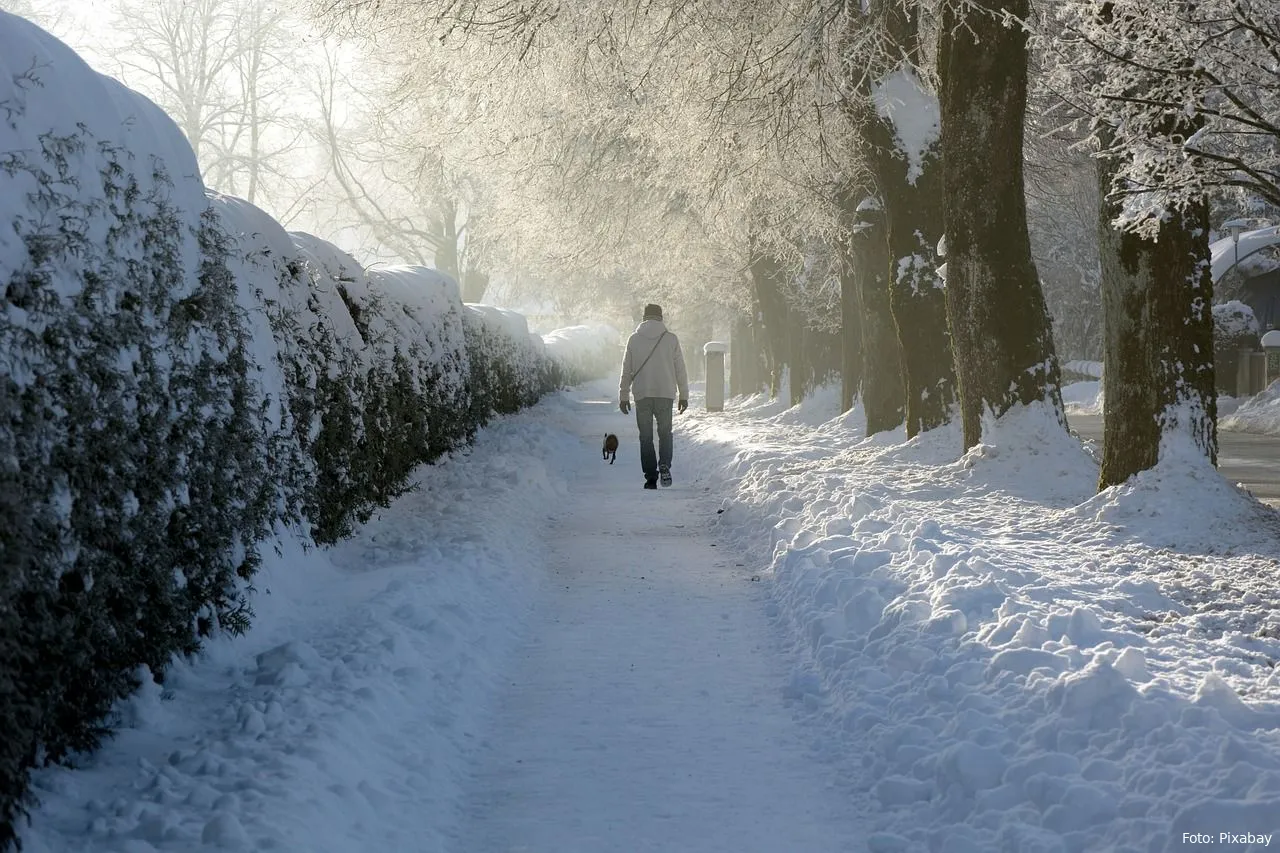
652, 312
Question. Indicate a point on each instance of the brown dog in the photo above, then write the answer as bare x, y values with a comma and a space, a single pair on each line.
610, 447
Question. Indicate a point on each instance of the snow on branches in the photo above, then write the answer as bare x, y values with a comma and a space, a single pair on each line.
1184, 96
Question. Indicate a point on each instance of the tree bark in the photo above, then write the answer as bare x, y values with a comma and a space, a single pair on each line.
474, 284
1158, 327
754, 362
766, 275
800, 367
883, 392
850, 335
737, 355
1000, 327
914, 220
917, 297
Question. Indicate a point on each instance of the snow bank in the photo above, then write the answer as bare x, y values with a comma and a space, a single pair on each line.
1025, 665
347, 718
1083, 398
585, 352
1257, 414
1225, 251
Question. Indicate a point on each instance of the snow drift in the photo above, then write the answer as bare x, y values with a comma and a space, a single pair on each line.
1023, 664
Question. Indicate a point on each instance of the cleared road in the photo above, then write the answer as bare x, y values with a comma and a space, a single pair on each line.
1250, 460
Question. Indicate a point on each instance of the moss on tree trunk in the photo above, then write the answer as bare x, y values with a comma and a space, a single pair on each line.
850, 337
1158, 338
883, 393
1000, 328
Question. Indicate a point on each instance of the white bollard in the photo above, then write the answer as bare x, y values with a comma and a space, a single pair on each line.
714, 352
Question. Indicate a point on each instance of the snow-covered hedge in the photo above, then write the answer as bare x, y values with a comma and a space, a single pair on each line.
584, 352
135, 463
390, 386
509, 369
182, 379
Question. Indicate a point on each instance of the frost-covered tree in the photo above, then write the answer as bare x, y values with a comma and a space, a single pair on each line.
895, 109
224, 70
1216, 62
1000, 327
668, 145
378, 201
1135, 71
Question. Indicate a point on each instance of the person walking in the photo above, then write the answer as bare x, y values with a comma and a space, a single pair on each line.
653, 368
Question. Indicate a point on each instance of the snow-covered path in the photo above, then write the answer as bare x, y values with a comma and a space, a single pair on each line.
647, 710
529, 652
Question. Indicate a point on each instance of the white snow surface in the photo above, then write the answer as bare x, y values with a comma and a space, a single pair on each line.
902, 100
1083, 398
1224, 252
48, 92
1257, 414
812, 642
585, 350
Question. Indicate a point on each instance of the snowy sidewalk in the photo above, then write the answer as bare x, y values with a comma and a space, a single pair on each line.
646, 711
529, 653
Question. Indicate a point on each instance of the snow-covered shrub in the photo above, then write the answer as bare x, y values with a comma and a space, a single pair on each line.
508, 369
387, 389
134, 467
181, 377
582, 353
272, 292
1234, 327
416, 327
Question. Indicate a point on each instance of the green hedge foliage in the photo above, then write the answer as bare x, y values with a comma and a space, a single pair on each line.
181, 381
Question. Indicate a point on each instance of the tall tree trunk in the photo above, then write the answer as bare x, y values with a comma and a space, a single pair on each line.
738, 344
1000, 327
446, 254
766, 275
917, 297
912, 196
1158, 334
754, 380
883, 394
745, 352
799, 365
474, 284
850, 335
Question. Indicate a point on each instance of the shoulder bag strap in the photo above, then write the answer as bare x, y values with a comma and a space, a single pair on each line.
636, 372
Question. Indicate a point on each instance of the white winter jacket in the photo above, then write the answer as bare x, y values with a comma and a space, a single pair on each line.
663, 372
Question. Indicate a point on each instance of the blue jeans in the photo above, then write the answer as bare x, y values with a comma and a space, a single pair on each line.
649, 409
